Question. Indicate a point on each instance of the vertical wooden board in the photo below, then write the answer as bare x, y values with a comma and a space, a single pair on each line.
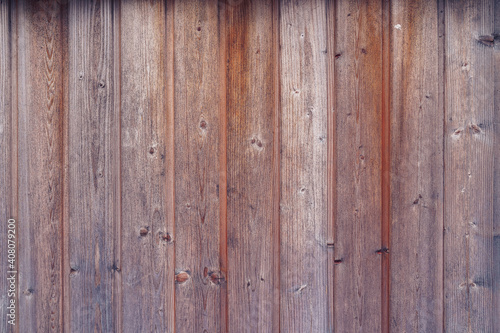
42, 67
469, 166
331, 21
197, 166
416, 169
250, 101
7, 109
358, 81
147, 255
496, 184
170, 164
93, 166
304, 216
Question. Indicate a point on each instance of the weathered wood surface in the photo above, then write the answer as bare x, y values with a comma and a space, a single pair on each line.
251, 166
304, 144
147, 258
197, 127
250, 97
358, 232
496, 181
8, 141
469, 139
416, 298
42, 46
93, 127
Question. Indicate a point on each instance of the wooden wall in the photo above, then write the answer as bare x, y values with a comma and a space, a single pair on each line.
251, 166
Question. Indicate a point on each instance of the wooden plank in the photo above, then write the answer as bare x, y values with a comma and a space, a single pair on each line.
385, 156
170, 164
42, 106
358, 251
250, 102
416, 169
304, 216
117, 239
276, 168
147, 253
198, 294
331, 168
93, 166
8, 154
496, 184
469, 167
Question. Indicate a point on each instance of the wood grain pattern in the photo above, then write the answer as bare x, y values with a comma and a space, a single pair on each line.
42, 105
416, 169
170, 163
331, 167
250, 101
251, 165
197, 167
8, 148
358, 73
147, 256
496, 184
469, 166
304, 134
93, 137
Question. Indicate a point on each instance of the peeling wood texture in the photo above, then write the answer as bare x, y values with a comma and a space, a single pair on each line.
251, 166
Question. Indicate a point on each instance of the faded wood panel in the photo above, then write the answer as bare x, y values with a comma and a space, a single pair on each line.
469, 167
331, 164
496, 184
416, 276
358, 73
147, 258
304, 218
94, 166
293, 176
250, 101
8, 133
198, 288
42, 105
